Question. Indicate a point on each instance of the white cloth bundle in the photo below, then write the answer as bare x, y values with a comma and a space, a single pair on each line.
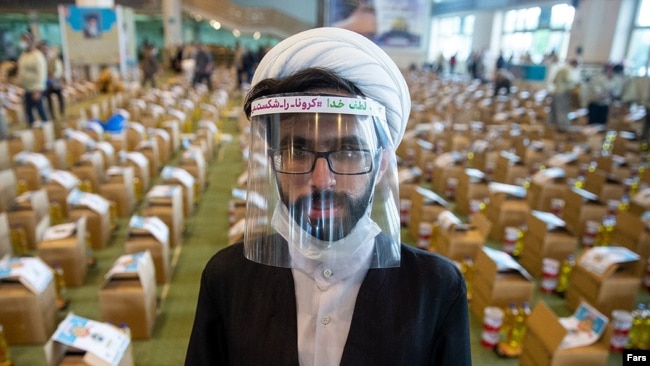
351, 55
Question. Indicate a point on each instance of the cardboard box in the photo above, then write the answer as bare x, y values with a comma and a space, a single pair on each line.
78, 143
510, 169
507, 206
65, 245
173, 130
460, 241
498, 281
7, 189
5, 158
128, 294
135, 133
616, 287
90, 167
30, 167
640, 202
28, 309
542, 341
119, 189
425, 207
603, 185
31, 210
472, 186
631, 232
164, 144
546, 185
447, 171
166, 203
149, 148
19, 141
108, 153
546, 237
151, 234
194, 163
43, 135
96, 210
79, 341
140, 166
180, 177
57, 153
58, 185
581, 206
5, 238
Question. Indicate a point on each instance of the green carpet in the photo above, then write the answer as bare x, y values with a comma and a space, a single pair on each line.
205, 233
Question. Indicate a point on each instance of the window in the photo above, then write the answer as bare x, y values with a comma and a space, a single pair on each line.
638, 51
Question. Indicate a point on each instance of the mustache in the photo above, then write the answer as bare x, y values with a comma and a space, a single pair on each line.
317, 197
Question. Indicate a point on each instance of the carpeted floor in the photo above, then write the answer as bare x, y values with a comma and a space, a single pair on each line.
205, 233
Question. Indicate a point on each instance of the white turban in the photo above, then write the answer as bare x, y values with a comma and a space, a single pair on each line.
353, 57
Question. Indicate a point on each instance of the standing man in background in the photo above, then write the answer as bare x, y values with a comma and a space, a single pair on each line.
564, 81
203, 66
32, 77
54, 84
322, 277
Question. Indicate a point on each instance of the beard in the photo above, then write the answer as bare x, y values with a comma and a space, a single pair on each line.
315, 213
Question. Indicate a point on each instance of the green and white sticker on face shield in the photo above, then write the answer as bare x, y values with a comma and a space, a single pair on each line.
318, 104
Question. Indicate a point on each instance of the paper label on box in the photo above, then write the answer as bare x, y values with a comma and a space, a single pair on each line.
153, 225
446, 159
66, 179
106, 148
642, 197
162, 191
561, 160
115, 171
138, 127
129, 263
446, 219
103, 340
145, 144
505, 262
192, 153
138, 158
39, 161
479, 146
585, 327
32, 272
180, 115
239, 193
78, 136
95, 127
551, 220
509, 189
598, 259
61, 231
92, 201
546, 175
431, 196
208, 125
182, 175
160, 132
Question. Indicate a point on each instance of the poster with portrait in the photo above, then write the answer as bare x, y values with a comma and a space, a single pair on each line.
392, 23
90, 34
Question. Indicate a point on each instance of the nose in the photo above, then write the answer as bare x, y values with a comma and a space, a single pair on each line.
322, 177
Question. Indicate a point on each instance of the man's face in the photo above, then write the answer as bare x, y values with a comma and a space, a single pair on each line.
326, 204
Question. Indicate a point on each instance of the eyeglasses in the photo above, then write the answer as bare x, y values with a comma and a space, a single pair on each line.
344, 162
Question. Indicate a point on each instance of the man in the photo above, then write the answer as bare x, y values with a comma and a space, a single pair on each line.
203, 66
54, 84
91, 29
321, 277
564, 82
32, 76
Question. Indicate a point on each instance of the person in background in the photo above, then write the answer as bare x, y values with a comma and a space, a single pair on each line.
149, 65
602, 90
32, 77
203, 66
321, 277
54, 84
564, 82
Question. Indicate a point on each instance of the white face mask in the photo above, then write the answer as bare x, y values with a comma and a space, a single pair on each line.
23, 45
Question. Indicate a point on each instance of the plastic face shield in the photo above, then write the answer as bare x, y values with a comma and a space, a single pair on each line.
322, 183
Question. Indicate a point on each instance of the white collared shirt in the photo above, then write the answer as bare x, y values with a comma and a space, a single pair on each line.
326, 287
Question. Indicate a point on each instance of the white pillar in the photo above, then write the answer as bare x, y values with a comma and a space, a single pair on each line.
173, 22
594, 29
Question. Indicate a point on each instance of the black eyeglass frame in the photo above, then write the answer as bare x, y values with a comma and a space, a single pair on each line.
326, 156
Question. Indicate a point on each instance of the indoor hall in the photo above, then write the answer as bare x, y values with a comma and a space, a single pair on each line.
484, 158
